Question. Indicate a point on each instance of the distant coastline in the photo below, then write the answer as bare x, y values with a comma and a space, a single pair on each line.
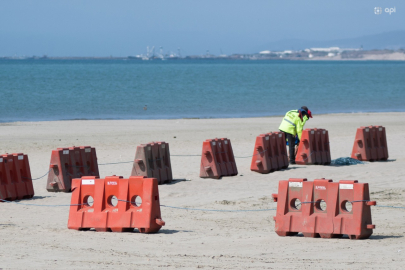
322, 54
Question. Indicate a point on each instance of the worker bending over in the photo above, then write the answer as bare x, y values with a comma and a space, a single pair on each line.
292, 125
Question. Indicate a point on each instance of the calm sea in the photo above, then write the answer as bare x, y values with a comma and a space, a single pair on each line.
36, 90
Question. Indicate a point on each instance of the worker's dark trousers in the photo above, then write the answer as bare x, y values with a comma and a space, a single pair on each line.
291, 145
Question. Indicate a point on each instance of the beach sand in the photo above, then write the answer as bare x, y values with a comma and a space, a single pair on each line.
37, 237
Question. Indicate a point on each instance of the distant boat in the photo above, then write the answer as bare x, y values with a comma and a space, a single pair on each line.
136, 57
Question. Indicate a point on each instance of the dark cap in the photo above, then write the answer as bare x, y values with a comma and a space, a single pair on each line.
305, 108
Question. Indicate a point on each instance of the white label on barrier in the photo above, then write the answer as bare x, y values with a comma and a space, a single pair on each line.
1, 159
320, 187
380, 129
65, 152
163, 145
324, 132
346, 186
88, 182
280, 135
148, 148
295, 184
367, 129
267, 138
112, 183
226, 142
20, 157
213, 143
312, 132
87, 150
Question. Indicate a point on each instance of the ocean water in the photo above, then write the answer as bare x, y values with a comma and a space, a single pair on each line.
38, 90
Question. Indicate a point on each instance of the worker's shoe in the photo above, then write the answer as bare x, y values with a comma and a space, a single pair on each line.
292, 162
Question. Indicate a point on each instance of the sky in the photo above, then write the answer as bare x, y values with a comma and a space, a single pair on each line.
126, 27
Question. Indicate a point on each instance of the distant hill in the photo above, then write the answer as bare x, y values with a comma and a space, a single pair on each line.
388, 40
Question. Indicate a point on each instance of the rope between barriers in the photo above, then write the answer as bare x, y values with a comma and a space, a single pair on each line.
122, 162
390, 206
39, 177
216, 210
185, 208
44, 205
185, 155
349, 201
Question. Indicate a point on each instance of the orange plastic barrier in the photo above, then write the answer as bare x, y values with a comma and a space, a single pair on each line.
269, 153
153, 160
323, 208
69, 163
15, 177
281, 151
370, 144
217, 159
115, 204
314, 147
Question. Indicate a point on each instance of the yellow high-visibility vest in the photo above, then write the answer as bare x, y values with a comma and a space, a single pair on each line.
292, 123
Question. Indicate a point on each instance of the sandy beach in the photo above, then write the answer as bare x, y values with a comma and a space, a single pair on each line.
37, 237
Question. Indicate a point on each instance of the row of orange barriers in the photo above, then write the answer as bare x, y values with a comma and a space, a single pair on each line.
370, 145
270, 152
322, 208
217, 159
151, 160
15, 177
